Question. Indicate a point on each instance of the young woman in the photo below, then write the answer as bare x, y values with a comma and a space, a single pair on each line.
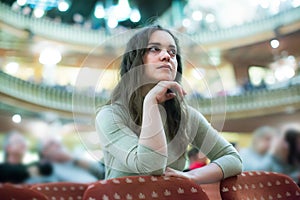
146, 127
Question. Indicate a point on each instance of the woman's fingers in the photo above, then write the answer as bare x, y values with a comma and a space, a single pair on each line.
175, 173
172, 172
166, 90
172, 85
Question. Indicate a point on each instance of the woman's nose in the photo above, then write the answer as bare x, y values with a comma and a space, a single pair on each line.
164, 55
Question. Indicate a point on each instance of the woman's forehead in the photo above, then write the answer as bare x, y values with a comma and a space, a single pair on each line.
162, 37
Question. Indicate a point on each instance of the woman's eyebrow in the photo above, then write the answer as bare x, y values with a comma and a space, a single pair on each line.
159, 44
154, 43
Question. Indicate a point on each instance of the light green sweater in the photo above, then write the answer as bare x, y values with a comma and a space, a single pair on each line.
123, 156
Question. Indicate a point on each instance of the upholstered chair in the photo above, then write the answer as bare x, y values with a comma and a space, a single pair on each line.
61, 190
19, 192
259, 186
145, 187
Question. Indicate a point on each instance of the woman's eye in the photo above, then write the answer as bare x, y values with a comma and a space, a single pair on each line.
154, 49
172, 52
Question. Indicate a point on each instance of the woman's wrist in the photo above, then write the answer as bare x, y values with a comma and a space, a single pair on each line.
149, 101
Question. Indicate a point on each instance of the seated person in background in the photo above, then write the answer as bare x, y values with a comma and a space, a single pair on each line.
284, 155
13, 170
67, 168
260, 145
196, 159
20, 173
15, 148
293, 158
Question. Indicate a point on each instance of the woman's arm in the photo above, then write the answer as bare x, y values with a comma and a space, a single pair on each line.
152, 133
225, 161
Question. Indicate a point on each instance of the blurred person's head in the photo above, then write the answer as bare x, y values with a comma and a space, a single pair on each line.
292, 136
196, 156
262, 139
15, 148
52, 149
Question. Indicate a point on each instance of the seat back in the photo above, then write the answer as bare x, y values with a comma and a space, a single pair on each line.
19, 192
259, 185
61, 190
145, 187
212, 190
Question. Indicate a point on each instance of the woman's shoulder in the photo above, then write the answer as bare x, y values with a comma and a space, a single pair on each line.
194, 114
112, 109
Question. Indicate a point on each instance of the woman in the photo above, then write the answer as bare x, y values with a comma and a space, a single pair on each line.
146, 127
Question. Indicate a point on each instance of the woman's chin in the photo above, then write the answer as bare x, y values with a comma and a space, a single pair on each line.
165, 78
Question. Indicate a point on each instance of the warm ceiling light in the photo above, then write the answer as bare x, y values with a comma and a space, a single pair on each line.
135, 15
21, 2
186, 22
63, 6
99, 11
12, 67
50, 56
38, 12
197, 15
112, 22
274, 44
16, 118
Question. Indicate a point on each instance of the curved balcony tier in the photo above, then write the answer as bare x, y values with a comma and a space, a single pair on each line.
38, 97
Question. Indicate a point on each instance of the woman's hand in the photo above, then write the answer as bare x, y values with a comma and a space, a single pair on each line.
159, 93
175, 173
210, 173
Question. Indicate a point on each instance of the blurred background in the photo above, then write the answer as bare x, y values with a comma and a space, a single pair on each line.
251, 46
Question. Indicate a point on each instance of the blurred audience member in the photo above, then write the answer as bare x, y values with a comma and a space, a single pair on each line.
15, 148
293, 139
196, 159
67, 167
21, 173
284, 155
260, 145
13, 170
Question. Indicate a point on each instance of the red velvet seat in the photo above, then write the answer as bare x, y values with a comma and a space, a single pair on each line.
145, 187
259, 186
212, 190
19, 192
61, 190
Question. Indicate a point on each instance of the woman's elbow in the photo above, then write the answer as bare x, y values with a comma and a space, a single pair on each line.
153, 168
238, 166
233, 167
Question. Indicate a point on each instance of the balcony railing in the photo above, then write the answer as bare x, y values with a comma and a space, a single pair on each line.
79, 35
85, 102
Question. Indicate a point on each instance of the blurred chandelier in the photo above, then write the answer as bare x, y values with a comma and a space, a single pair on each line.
40, 6
43, 4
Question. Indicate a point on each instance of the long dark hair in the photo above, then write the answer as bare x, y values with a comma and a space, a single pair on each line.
291, 136
128, 90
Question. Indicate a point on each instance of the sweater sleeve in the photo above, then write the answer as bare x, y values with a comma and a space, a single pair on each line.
121, 143
213, 145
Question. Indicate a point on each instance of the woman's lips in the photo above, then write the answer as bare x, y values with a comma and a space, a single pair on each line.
165, 67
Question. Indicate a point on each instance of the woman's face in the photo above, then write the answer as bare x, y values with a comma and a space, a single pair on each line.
160, 58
